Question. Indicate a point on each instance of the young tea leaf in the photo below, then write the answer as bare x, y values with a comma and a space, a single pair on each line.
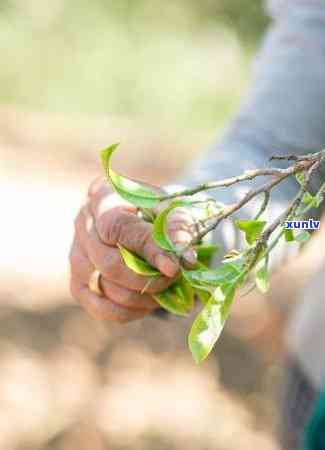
251, 228
206, 252
160, 225
312, 201
148, 214
209, 323
308, 199
203, 295
301, 177
132, 191
288, 235
226, 273
197, 285
262, 280
319, 197
138, 265
177, 299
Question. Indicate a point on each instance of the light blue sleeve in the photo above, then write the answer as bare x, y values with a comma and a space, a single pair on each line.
284, 108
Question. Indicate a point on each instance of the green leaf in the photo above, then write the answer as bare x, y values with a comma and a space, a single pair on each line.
319, 197
177, 299
203, 295
206, 252
160, 225
301, 177
262, 279
226, 273
209, 323
288, 235
308, 199
148, 214
251, 228
132, 191
302, 237
138, 265
312, 200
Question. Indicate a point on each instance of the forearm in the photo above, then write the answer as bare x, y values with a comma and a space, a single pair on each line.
284, 109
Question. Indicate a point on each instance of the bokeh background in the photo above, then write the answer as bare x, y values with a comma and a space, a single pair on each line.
162, 78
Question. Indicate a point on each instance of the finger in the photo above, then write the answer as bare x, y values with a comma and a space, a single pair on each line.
80, 265
125, 297
116, 221
108, 260
103, 199
96, 185
121, 225
181, 228
100, 186
102, 308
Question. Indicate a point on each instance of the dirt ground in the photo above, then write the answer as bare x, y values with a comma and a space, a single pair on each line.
69, 382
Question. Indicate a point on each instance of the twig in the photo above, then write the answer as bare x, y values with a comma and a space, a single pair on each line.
278, 175
286, 215
284, 158
263, 207
311, 156
302, 163
246, 176
292, 207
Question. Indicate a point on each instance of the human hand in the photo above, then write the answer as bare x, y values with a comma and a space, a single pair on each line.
105, 221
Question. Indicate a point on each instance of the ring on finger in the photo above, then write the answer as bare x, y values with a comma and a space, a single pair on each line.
95, 284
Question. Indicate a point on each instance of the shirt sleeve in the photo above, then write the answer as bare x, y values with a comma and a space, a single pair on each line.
284, 108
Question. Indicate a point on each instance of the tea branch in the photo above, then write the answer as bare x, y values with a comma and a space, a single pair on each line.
302, 163
307, 163
217, 286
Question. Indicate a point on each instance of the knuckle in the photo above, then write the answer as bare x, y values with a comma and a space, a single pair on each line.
124, 228
95, 185
80, 217
145, 242
180, 237
109, 223
74, 289
158, 285
114, 231
102, 226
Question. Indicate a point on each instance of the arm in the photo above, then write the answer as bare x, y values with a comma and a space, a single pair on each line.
283, 112
284, 109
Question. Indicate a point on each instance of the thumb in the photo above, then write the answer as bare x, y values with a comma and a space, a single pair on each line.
181, 228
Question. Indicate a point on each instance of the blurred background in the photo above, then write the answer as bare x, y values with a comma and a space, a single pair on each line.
162, 78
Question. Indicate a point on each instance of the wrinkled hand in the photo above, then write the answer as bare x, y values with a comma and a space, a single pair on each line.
102, 223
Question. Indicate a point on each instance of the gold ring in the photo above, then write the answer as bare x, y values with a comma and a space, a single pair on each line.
94, 283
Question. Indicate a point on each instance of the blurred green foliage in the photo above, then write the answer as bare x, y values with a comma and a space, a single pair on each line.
183, 62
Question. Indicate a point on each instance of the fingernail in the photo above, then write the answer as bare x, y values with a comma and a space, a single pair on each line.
166, 265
